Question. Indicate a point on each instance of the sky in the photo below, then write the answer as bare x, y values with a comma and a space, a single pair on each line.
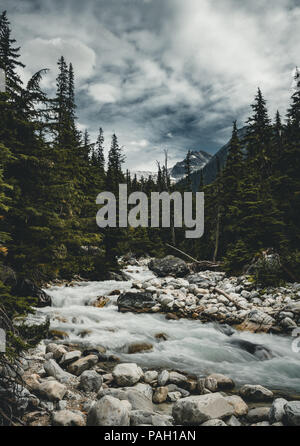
163, 74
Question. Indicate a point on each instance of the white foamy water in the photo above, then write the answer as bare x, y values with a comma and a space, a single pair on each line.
191, 346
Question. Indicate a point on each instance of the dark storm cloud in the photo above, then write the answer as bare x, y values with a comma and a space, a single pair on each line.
163, 73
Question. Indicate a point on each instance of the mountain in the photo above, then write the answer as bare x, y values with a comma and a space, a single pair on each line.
198, 161
210, 169
177, 173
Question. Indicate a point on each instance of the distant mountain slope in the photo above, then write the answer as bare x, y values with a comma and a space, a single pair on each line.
177, 173
198, 161
210, 169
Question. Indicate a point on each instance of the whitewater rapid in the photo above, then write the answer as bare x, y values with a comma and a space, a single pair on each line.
191, 346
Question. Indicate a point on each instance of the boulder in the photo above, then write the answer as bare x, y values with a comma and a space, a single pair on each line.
52, 390
223, 382
174, 396
169, 266
160, 395
109, 411
257, 322
68, 418
53, 369
294, 307
137, 399
258, 414
90, 381
127, 374
83, 364
146, 389
239, 406
233, 422
277, 410
256, 393
140, 302
292, 413
142, 417
195, 410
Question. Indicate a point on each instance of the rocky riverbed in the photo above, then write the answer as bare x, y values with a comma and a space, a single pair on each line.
161, 343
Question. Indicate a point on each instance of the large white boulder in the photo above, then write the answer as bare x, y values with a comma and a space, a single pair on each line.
127, 374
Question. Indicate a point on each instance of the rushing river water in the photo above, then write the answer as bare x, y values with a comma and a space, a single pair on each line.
191, 346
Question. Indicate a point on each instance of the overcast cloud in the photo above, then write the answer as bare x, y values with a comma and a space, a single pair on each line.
163, 73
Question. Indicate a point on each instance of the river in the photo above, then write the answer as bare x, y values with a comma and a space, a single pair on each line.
191, 346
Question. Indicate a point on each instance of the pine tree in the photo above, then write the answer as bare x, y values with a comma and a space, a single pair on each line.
114, 170
9, 58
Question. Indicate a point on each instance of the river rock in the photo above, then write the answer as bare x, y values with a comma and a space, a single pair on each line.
233, 422
70, 357
52, 390
127, 374
257, 322
256, 393
109, 411
150, 376
223, 382
214, 423
294, 307
277, 410
58, 350
238, 404
169, 266
142, 417
138, 347
53, 369
292, 413
146, 389
137, 399
90, 381
211, 384
160, 395
140, 302
163, 378
196, 410
68, 418
174, 396
85, 363
258, 414
177, 378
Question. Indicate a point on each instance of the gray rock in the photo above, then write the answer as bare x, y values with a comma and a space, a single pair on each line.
57, 350
90, 381
52, 390
292, 413
150, 376
256, 393
137, 399
233, 422
174, 396
196, 410
211, 384
68, 418
136, 302
70, 357
53, 369
169, 266
146, 389
109, 411
127, 374
163, 378
177, 378
277, 410
262, 424
140, 417
258, 414
82, 364
214, 423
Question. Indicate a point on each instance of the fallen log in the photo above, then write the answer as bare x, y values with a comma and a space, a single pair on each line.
201, 263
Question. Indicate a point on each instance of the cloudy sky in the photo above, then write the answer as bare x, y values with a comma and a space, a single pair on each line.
163, 73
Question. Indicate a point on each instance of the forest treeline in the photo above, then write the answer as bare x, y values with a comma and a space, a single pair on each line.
51, 174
